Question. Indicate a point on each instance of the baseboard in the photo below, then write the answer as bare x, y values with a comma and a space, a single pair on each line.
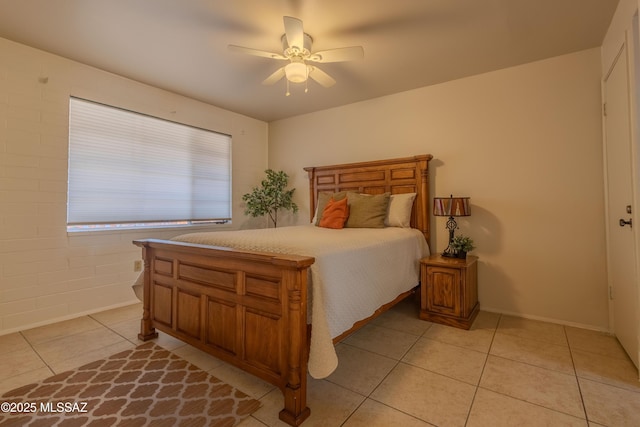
69, 317
546, 319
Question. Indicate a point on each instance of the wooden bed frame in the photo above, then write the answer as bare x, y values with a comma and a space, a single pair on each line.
250, 308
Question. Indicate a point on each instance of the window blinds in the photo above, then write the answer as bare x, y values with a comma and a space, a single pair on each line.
126, 167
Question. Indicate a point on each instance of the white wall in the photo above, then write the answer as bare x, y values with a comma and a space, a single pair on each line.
46, 274
524, 143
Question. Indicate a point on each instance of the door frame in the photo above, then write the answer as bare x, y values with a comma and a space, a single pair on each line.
629, 46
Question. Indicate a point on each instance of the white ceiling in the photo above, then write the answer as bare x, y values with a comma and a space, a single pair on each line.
181, 45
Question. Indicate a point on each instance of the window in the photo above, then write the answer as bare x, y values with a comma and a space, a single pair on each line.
129, 170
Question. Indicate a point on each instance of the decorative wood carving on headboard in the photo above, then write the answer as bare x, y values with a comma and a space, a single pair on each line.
397, 176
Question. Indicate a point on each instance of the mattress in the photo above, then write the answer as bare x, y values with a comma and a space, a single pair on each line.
357, 270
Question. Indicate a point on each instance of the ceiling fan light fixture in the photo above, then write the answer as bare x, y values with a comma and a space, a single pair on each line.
296, 46
296, 72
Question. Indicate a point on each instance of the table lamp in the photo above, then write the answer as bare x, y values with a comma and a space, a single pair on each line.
451, 207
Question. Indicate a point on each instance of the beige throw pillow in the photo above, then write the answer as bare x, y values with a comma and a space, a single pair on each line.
367, 211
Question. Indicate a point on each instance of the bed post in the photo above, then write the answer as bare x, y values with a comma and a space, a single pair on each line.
295, 391
147, 331
423, 164
312, 192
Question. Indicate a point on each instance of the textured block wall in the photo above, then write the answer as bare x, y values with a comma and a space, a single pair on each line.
45, 273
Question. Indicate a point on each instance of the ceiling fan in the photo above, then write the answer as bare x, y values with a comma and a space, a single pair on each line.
296, 45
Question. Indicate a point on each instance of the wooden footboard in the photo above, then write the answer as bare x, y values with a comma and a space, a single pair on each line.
246, 308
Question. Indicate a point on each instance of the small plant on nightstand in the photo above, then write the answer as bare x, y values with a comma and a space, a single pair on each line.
461, 245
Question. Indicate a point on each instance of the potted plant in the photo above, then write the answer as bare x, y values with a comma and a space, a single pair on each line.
270, 197
461, 245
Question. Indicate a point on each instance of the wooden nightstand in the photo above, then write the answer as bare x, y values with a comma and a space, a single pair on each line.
449, 290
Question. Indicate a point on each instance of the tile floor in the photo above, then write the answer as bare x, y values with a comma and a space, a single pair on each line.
398, 370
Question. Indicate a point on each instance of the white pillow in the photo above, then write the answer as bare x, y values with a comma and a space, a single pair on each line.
399, 212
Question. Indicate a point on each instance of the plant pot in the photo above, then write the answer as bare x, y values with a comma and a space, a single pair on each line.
461, 254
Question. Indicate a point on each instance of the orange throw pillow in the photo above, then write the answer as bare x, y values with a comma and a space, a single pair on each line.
335, 214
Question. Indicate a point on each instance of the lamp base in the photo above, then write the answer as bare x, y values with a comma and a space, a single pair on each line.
451, 226
448, 253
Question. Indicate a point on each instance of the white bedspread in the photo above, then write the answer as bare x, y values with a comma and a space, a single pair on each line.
356, 271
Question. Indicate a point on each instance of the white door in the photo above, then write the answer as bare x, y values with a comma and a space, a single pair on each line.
621, 244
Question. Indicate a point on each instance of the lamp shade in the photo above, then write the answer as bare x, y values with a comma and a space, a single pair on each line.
451, 206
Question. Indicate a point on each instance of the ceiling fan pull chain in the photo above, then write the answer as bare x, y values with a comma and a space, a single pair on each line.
287, 93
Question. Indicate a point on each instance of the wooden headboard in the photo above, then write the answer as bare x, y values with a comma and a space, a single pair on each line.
396, 176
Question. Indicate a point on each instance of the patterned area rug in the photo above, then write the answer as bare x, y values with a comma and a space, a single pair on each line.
146, 386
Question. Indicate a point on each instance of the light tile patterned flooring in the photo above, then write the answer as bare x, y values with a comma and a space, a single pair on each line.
398, 370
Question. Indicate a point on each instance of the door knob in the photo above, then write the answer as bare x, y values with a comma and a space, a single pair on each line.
623, 222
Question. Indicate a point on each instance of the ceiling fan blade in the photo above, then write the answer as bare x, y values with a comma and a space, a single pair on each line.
338, 55
256, 52
273, 78
294, 31
321, 77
